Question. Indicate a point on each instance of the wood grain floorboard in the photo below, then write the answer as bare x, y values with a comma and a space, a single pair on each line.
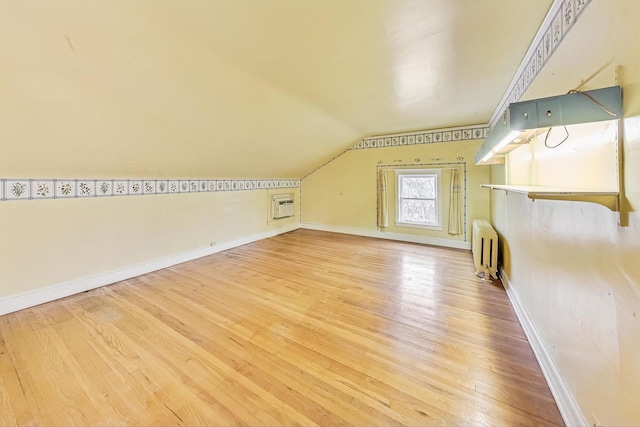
306, 328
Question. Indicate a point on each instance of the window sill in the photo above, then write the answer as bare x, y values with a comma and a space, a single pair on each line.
424, 227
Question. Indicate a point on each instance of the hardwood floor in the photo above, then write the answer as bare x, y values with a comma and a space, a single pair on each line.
305, 328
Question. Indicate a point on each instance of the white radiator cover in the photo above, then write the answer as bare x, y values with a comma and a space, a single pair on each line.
484, 244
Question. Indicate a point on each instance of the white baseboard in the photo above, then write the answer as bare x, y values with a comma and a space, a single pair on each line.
51, 293
449, 243
567, 405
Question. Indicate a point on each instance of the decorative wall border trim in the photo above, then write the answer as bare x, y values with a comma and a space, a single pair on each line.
567, 405
561, 17
36, 189
52, 293
461, 133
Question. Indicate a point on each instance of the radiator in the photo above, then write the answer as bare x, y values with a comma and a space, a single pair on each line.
485, 249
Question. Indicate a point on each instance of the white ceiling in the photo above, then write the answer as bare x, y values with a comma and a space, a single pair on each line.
242, 88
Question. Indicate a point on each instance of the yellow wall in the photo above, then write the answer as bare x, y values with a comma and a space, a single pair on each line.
343, 193
52, 242
77, 103
153, 98
575, 269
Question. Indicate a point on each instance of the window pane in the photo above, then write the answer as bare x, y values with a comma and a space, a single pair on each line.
420, 187
420, 211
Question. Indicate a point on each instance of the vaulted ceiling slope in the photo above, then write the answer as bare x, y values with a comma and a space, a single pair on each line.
242, 88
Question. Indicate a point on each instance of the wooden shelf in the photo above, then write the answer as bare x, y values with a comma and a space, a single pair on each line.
609, 199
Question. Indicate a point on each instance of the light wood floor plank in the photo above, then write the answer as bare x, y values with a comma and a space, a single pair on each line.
307, 328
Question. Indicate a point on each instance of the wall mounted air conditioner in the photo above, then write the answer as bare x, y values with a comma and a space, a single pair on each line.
282, 206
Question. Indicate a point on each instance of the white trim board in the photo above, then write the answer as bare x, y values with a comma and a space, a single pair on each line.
54, 292
567, 405
366, 232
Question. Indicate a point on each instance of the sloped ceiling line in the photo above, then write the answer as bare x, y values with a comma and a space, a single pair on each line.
561, 17
40, 189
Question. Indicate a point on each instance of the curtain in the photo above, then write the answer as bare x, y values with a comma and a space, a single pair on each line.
455, 205
383, 204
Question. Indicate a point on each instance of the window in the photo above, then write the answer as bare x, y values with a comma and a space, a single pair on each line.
418, 201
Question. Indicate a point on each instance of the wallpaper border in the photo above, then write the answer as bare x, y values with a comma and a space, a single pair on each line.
37, 189
460, 133
561, 17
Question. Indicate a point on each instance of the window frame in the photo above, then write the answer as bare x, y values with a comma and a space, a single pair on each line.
400, 173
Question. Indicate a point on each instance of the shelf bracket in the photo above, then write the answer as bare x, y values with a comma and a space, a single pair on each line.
610, 200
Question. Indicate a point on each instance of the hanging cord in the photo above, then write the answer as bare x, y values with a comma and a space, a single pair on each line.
605, 109
546, 138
